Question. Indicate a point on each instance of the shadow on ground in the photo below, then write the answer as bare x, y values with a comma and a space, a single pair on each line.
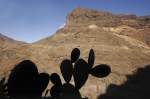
137, 86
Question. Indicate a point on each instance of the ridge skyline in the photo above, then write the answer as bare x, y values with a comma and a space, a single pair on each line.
63, 25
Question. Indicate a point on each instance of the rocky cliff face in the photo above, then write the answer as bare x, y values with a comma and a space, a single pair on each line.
121, 41
128, 25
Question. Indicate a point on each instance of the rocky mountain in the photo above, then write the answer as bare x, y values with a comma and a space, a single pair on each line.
121, 41
8, 42
11, 52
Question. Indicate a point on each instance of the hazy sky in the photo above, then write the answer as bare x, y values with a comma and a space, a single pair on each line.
31, 20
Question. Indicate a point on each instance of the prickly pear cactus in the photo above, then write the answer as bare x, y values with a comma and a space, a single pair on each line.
56, 89
101, 70
3, 88
79, 69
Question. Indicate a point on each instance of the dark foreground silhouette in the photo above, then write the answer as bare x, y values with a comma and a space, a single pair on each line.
26, 82
136, 87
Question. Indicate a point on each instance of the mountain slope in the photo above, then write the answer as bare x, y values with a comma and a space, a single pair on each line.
121, 41
11, 52
118, 40
8, 42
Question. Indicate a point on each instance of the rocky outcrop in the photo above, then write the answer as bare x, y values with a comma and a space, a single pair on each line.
121, 41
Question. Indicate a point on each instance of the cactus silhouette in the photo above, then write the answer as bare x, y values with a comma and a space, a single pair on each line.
3, 88
66, 68
75, 54
80, 73
25, 81
91, 58
56, 89
101, 70
80, 70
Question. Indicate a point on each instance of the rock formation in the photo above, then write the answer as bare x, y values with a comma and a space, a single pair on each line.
121, 41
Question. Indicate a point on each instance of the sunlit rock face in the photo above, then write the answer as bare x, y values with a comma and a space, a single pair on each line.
121, 41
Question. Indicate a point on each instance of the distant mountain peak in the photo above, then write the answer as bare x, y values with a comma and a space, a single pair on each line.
1, 35
83, 16
4, 38
80, 10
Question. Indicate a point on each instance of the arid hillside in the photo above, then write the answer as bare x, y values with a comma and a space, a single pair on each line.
121, 41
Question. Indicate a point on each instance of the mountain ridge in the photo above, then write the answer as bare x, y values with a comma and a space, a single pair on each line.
4, 37
121, 42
